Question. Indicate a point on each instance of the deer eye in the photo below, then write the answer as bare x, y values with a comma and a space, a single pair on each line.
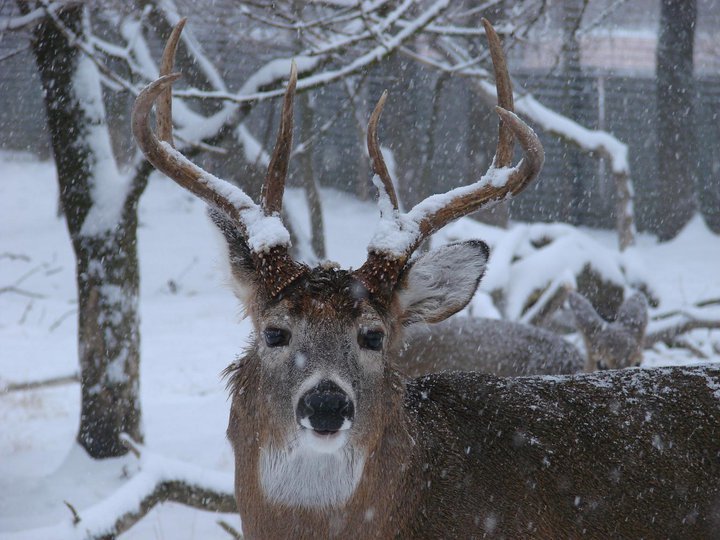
371, 339
276, 337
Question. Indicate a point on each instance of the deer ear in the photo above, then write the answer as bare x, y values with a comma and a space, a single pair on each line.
586, 318
242, 268
633, 315
440, 283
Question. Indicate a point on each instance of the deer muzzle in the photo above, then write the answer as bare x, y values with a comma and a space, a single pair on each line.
326, 409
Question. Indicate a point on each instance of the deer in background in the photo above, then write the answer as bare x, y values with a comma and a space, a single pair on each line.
509, 348
611, 345
330, 440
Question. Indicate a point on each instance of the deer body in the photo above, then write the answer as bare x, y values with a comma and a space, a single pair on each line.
330, 440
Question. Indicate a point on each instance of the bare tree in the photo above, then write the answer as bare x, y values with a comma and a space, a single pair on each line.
99, 205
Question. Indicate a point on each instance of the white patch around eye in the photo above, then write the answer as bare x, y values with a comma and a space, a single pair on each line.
302, 476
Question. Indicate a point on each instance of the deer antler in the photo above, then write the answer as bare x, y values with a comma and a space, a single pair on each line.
266, 236
400, 234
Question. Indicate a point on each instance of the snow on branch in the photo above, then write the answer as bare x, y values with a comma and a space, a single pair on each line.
160, 479
29, 19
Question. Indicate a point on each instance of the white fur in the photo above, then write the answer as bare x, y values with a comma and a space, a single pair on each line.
308, 475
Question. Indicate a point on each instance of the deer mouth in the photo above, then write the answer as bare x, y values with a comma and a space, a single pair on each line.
323, 431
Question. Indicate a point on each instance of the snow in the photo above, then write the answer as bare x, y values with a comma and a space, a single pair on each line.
396, 233
192, 329
591, 140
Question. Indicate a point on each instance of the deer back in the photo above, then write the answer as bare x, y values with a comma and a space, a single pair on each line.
495, 346
631, 454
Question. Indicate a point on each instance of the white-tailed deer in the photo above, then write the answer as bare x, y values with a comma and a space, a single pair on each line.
331, 441
509, 348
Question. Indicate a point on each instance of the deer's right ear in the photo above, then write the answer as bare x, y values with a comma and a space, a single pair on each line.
243, 273
440, 283
586, 318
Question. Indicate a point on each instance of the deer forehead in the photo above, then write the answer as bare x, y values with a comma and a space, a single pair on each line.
330, 297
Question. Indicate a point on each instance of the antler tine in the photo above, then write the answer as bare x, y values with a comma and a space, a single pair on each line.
384, 264
163, 107
373, 144
492, 188
274, 186
504, 149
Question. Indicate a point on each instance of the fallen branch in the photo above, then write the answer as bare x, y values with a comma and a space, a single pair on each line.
33, 385
160, 479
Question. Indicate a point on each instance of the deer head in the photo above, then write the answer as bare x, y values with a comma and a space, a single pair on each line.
317, 390
611, 345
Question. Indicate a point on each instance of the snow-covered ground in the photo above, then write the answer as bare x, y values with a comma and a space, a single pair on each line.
191, 330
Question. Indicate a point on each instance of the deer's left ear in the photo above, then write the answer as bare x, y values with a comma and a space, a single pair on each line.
440, 283
242, 269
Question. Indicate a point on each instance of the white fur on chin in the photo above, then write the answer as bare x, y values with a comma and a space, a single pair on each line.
311, 472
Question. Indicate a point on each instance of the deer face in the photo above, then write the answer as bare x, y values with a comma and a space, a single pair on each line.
322, 347
612, 345
614, 348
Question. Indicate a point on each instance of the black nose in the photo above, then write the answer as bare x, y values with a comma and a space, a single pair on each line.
325, 407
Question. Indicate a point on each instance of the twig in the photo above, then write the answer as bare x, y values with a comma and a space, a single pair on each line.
22, 292
10, 54
15, 256
76, 517
668, 335
685, 344
25, 312
60, 319
232, 531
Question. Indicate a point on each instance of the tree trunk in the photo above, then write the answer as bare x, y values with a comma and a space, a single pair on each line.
673, 202
102, 221
572, 106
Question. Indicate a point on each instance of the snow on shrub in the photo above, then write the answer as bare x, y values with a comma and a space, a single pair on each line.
530, 261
